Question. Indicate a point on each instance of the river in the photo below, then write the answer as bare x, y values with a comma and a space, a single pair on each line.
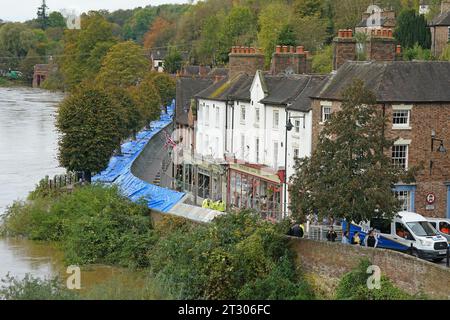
28, 152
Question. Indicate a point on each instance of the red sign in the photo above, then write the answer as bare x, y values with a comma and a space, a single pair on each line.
431, 198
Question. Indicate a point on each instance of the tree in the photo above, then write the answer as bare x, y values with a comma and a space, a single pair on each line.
138, 25
323, 61
158, 33
17, 39
349, 174
56, 20
173, 61
166, 86
42, 15
85, 49
124, 66
272, 21
130, 121
147, 100
89, 124
412, 29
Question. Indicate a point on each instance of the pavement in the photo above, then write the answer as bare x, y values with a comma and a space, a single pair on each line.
149, 164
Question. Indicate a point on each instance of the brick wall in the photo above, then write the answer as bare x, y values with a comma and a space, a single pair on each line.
295, 62
381, 49
439, 38
344, 50
424, 119
245, 60
330, 261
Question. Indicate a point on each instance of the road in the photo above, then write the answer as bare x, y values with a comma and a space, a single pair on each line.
150, 162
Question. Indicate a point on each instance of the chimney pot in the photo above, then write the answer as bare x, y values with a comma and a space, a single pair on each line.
278, 49
390, 33
292, 49
350, 33
399, 49
300, 50
285, 49
307, 54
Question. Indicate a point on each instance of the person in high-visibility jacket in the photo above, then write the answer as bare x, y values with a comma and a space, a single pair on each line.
206, 204
220, 206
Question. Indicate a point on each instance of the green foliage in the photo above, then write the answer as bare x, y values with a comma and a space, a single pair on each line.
353, 286
90, 129
94, 224
237, 256
16, 39
445, 54
31, 288
412, 29
85, 49
272, 21
322, 61
349, 175
56, 20
173, 61
147, 100
166, 86
124, 66
417, 53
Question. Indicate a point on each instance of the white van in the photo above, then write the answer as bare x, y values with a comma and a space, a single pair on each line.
407, 232
442, 225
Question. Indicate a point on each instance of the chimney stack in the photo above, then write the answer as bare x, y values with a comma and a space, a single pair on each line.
445, 6
344, 48
245, 60
289, 60
381, 46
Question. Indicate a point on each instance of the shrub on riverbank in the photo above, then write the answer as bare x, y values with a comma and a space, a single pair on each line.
93, 224
31, 288
239, 256
353, 286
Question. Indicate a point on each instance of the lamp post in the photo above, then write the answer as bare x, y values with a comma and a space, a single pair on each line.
289, 127
440, 149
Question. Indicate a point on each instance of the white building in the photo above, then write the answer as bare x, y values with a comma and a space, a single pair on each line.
242, 125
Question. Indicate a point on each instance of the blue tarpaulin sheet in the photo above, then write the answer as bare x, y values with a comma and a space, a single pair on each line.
119, 169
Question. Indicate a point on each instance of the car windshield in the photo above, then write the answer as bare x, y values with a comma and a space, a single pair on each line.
422, 228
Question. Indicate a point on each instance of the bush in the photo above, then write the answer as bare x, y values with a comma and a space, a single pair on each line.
323, 61
31, 288
353, 286
237, 256
95, 224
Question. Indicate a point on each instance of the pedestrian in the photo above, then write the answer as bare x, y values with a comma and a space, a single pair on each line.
371, 239
296, 231
331, 235
356, 239
345, 239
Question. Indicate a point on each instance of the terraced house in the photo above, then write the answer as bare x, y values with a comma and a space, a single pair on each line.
415, 96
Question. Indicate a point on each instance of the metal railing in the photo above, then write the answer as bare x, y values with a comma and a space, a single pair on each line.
319, 232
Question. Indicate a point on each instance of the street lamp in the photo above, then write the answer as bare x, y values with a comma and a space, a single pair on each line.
441, 147
289, 127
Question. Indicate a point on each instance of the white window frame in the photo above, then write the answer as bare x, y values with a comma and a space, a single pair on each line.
325, 105
217, 117
206, 115
405, 196
276, 124
296, 126
402, 143
242, 114
401, 108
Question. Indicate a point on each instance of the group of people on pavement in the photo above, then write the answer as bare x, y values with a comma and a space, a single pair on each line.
371, 240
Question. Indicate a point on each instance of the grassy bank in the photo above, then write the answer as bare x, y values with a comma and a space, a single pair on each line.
238, 256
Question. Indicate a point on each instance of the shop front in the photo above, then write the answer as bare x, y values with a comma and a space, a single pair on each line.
255, 187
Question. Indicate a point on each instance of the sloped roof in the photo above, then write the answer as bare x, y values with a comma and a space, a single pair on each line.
187, 88
441, 20
291, 89
236, 88
221, 72
397, 81
384, 22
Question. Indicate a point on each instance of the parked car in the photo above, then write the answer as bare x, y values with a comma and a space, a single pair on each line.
407, 232
442, 226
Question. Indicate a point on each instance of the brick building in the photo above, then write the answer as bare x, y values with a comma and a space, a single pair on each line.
440, 30
416, 99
